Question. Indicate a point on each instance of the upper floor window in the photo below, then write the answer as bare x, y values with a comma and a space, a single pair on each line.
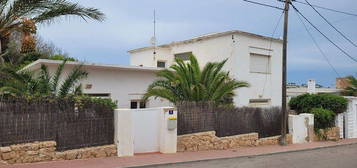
259, 63
161, 64
184, 56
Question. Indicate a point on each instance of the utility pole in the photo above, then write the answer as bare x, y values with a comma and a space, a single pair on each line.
284, 115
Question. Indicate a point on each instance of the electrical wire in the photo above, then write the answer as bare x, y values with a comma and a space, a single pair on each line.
343, 51
317, 46
328, 22
329, 9
266, 5
270, 46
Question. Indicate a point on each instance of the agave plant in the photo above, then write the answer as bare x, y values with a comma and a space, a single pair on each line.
44, 83
23, 15
187, 82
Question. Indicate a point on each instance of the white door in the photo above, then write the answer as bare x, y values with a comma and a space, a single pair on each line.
146, 132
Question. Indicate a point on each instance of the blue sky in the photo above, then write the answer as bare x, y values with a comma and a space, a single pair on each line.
129, 25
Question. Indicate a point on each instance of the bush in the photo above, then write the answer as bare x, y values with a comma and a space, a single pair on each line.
107, 102
304, 103
323, 118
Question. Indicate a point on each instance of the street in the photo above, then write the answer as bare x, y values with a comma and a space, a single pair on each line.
341, 157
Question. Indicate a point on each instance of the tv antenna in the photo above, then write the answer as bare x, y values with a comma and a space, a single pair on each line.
153, 39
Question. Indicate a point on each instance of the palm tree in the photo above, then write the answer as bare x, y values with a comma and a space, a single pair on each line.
187, 82
44, 83
23, 15
351, 90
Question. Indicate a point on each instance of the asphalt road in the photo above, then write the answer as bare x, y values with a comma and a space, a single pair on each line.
335, 157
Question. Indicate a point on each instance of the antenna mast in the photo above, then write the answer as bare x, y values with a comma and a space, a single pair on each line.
153, 39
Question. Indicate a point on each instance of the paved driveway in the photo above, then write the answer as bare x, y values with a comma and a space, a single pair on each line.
334, 157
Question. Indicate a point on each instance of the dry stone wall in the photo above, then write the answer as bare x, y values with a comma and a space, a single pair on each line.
46, 151
329, 134
209, 141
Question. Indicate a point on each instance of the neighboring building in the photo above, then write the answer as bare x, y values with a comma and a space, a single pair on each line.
312, 88
342, 83
125, 84
253, 58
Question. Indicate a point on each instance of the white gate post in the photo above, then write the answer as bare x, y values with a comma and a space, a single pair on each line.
168, 130
123, 136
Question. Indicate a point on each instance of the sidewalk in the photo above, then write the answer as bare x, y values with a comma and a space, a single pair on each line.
157, 158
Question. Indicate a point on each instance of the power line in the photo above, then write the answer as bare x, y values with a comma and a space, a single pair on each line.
270, 46
330, 9
343, 51
317, 46
258, 3
328, 22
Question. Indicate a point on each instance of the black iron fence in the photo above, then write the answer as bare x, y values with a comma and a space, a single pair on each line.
72, 125
204, 116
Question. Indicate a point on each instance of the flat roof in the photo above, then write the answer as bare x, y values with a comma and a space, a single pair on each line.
208, 36
37, 64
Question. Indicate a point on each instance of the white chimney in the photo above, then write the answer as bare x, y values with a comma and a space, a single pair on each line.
311, 86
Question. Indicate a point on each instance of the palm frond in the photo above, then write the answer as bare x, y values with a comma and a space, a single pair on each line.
76, 75
56, 77
64, 8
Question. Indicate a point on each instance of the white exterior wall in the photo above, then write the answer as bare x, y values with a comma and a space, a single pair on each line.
351, 118
145, 130
220, 48
122, 85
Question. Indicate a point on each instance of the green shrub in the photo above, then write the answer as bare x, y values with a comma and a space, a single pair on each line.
304, 103
107, 102
323, 118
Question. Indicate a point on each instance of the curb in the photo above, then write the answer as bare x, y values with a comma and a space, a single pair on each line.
246, 156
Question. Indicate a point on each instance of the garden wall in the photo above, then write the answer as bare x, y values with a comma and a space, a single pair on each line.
209, 141
46, 151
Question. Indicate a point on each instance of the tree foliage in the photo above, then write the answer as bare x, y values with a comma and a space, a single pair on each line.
351, 90
27, 83
23, 15
187, 82
323, 118
304, 103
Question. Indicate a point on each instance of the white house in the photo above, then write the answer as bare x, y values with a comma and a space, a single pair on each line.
125, 84
253, 58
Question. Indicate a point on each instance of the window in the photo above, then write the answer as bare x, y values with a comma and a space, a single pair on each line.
99, 95
161, 64
184, 56
259, 63
136, 104
259, 102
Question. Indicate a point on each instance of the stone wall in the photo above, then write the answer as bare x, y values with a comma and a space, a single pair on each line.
209, 141
46, 151
329, 134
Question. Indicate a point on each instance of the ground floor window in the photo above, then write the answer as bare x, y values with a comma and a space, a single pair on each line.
99, 95
259, 102
137, 104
